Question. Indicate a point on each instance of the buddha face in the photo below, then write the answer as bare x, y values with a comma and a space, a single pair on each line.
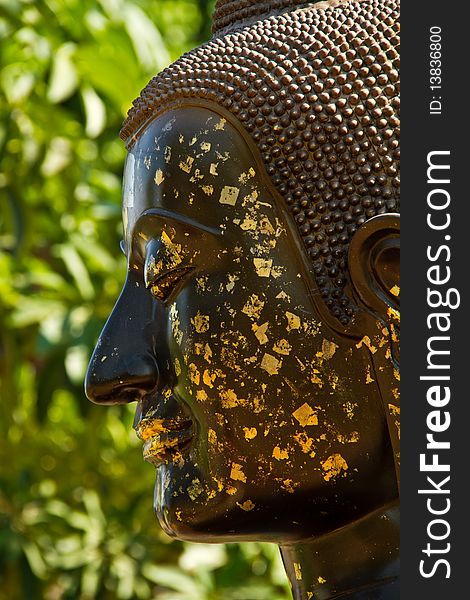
263, 421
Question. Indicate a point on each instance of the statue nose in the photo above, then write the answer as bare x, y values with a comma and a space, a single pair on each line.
123, 367
116, 380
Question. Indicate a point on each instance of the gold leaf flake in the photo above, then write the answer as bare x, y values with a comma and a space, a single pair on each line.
229, 195
177, 367
328, 349
352, 438
245, 177
395, 412
207, 353
200, 322
209, 378
195, 489
187, 165
304, 442
279, 454
395, 290
366, 342
271, 364
298, 571
289, 485
260, 332
282, 347
253, 307
349, 408
247, 505
159, 178
293, 321
201, 283
250, 433
194, 374
208, 189
305, 415
249, 224
266, 227
232, 279
315, 379
201, 395
333, 466
237, 473
230, 399
263, 267
197, 176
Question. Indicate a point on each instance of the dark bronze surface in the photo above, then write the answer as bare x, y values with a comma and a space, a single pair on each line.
258, 329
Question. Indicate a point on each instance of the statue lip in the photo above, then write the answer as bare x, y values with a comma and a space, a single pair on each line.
165, 440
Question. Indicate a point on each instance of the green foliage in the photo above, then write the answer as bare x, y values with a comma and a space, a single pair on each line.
75, 496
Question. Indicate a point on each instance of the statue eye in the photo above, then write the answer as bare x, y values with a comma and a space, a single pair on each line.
164, 286
164, 270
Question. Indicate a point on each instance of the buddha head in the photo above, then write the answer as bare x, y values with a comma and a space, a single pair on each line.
257, 330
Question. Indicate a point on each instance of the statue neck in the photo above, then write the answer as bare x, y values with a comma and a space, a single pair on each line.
357, 562
233, 12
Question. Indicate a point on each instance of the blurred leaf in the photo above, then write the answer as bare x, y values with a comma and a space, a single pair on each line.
76, 362
17, 82
64, 79
33, 555
77, 270
95, 111
109, 67
59, 155
174, 579
91, 580
203, 556
146, 39
35, 310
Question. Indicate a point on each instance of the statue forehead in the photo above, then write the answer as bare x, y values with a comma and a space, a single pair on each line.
193, 161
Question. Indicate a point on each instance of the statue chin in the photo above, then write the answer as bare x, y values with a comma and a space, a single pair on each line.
187, 511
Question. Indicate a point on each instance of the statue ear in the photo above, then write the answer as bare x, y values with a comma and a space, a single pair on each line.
374, 263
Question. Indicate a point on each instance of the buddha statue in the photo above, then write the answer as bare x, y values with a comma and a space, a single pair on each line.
258, 328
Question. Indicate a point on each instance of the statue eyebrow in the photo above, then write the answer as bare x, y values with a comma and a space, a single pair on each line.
173, 217
162, 213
